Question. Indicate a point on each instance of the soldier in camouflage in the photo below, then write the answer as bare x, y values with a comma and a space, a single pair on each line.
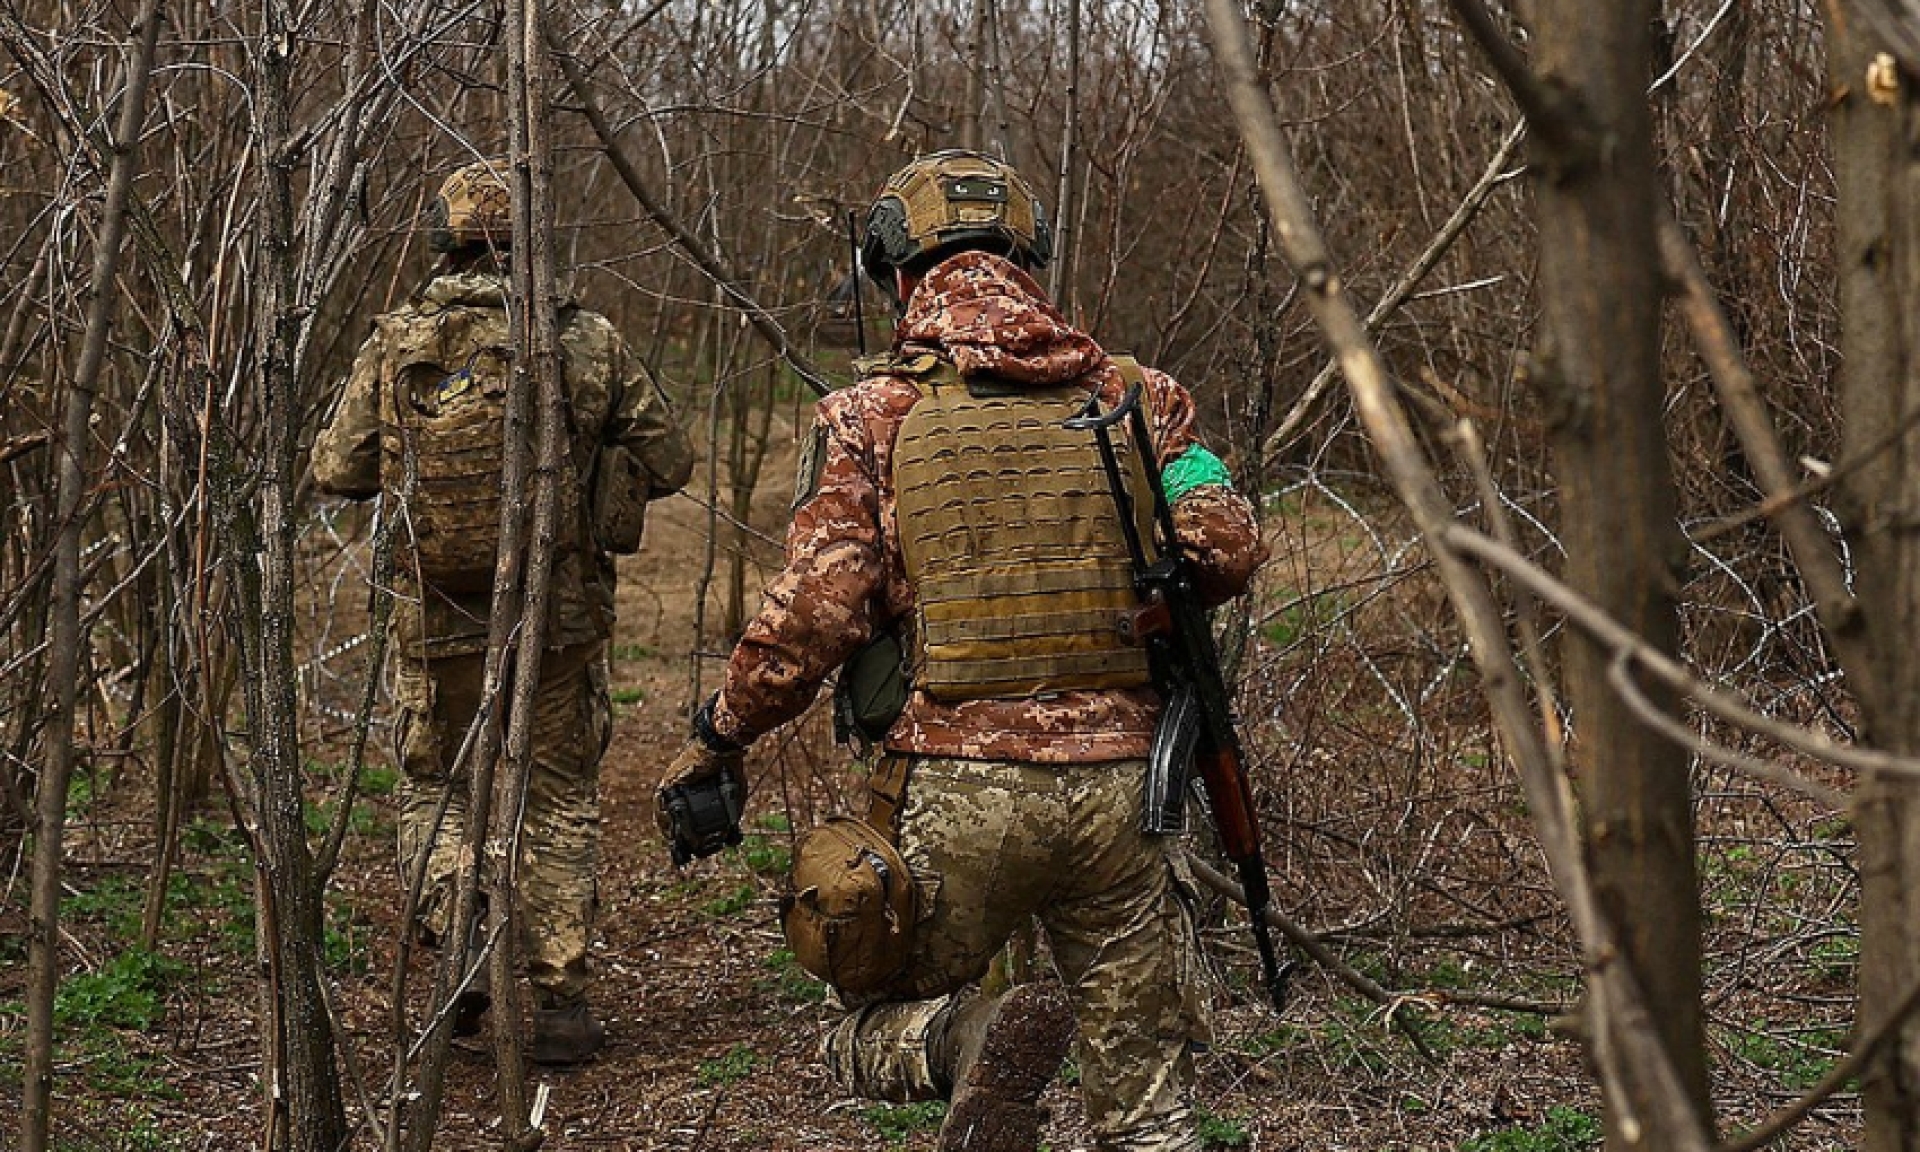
1022, 798
439, 628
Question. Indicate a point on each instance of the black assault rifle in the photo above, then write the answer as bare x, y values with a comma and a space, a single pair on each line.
1197, 726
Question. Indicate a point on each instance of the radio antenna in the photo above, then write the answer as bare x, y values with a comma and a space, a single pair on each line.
853, 246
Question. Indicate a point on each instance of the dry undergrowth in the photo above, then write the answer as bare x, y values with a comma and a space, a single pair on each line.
1393, 830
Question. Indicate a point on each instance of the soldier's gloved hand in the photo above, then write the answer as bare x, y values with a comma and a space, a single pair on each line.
697, 763
701, 794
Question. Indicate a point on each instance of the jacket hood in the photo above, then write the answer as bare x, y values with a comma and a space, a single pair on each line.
988, 316
472, 289
475, 290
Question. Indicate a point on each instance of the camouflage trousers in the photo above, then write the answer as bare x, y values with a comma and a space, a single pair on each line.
560, 835
994, 844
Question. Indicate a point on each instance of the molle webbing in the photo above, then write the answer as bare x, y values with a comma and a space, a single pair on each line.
1012, 543
442, 438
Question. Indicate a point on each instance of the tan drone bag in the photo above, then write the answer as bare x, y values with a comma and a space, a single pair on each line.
851, 914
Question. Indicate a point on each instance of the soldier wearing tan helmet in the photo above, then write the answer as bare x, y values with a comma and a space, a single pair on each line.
956, 555
421, 420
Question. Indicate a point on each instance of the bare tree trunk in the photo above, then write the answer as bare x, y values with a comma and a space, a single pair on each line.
750, 414
1002, 143
1069, 143
1634, 1062
51, 802
1600, 288
291, 903
514, 654
1874, 118
973, 115
537, 368
167, 725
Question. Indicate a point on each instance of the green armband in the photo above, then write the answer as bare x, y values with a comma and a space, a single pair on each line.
1196, 468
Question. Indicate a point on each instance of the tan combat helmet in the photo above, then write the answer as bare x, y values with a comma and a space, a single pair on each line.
473, 210
949, 200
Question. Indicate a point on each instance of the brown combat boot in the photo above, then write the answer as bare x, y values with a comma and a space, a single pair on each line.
566, 1034
1002, 1053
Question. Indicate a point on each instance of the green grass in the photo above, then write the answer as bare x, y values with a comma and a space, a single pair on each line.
80, 794
1527, 1026
1838, 827
1449, 973
361, 821
346, 939
113, 1068
897, 1123
1355, 1044
1301, 615
630, 653
1564, 1130
1799, 1061
732, 903
627, 696
217, 896
764, 856
211, 837
127, 992
1375, 966
118, 1127
375, 779
378, 780
1279, 1040
224, 900
1838, 956
118, 902
1358, 1039
1448, 1034
736, 1065
233, 898
98, 1015
788, 980
1218, 1131
104, 1014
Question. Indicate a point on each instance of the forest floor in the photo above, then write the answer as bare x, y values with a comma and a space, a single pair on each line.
712, 1028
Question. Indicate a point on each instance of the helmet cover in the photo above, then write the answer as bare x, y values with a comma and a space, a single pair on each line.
949, 200
473, 209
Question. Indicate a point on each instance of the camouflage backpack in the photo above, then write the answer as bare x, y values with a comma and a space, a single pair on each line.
443, 412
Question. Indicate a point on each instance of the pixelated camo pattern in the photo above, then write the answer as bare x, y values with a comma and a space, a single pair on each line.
435, 701
992, 844
844, 575
614, 401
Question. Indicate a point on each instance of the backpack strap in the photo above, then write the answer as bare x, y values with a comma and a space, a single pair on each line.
911, 364
887, 794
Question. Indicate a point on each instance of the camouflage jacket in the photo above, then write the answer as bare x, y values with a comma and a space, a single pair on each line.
615, 402
844, 576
